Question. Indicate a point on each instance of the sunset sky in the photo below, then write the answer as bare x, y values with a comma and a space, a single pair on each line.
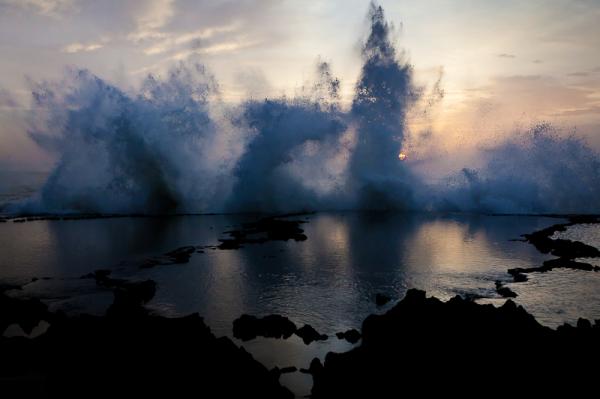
504, 64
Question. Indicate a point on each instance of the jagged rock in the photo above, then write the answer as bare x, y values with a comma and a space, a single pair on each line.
309, 334
248, 327
266, 229
352, 335
444, 346
504, 291
132, 353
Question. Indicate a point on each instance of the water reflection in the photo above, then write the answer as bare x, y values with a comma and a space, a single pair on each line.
328, 281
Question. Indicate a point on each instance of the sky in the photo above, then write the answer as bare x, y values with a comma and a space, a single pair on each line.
504, 65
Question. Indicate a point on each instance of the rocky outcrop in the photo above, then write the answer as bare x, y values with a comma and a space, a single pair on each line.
309, 334
456, 347
248, 327
263, 230
129, 353
352, 336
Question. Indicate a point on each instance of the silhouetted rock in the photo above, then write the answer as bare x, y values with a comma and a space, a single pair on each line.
381, 299
133, 353
309, 334
266, 229
352, 336
248, 327
504, 291
27, 313
456, 347
290, 369
181, 255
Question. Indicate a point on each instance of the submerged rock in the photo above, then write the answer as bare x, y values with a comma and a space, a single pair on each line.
264, 230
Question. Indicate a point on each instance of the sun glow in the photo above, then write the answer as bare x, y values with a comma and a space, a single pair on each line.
402, 156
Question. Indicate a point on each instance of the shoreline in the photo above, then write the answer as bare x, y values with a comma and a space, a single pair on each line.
131, 296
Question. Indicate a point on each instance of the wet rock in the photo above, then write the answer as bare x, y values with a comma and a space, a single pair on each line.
559, 263
266, 229
352, 335
504, 291
309, 334
381, 299
565, 250
248, 327
181, 255
426, 342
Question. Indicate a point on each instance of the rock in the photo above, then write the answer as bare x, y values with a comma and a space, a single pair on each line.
584, 324
263, 230
181, 255
426, 342
248, 327
309, 334
381, 299
504, 291
27, 313
134, 355
352, 336
290, 369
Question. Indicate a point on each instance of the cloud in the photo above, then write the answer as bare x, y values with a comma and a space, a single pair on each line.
80, 47
592, 110
578, 74
150, 20
506, 55
44, 7
173, 40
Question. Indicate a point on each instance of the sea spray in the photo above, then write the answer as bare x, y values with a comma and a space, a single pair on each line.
384, 93
174, 146
536, 171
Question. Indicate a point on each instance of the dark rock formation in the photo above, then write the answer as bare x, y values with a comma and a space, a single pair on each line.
249, 327
175, 257
381, 299
309, 334
27, 313
315, 367
456, 347
566, 250
266, 229
504, 291
129, 352
352, 336
284, 370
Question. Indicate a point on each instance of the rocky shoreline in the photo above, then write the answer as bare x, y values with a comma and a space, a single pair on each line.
418, 341
459, 347
127, 352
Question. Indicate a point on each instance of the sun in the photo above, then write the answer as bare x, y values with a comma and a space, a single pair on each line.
402, 156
